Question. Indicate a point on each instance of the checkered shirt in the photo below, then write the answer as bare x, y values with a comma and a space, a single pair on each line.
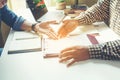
109, 12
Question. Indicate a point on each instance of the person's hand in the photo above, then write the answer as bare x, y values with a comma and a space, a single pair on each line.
74, 54
45, 28
67, 27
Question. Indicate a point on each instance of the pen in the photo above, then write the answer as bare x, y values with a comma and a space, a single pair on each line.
52, 55
26, 38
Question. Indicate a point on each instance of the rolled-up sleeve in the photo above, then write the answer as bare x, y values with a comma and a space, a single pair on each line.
17, 24
11, 19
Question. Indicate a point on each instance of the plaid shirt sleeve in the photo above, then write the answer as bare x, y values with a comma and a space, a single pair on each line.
107, 51
98, 12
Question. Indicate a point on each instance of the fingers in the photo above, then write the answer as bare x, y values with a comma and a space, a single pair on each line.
62, 34
62, 31
72, 60
67, 52
64, 59
52, 35
67, 27
47, 30
68, 49
50, 32
70, 55
67, 55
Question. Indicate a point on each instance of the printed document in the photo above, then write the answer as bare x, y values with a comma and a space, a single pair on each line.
25, 42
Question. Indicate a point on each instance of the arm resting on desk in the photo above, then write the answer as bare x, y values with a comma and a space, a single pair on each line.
107, 51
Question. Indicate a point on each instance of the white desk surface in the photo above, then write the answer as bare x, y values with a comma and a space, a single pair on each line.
32, 66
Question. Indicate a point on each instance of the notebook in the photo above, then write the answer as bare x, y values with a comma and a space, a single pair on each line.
41, 13
25, 42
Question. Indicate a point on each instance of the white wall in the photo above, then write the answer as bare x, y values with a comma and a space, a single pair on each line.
17, 4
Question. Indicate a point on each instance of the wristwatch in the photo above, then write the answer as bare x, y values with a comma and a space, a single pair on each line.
33, 26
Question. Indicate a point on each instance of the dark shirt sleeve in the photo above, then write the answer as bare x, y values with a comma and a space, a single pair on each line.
107, 51
11, 19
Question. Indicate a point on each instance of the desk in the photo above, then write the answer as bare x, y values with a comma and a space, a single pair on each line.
32, 66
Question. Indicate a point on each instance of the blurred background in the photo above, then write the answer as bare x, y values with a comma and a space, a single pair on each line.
21, 4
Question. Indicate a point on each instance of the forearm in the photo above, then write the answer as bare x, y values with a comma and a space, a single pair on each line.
26, 26
97, 12
107, 51
11, 19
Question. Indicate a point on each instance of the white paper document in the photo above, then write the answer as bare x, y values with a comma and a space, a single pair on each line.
82, 35
25, 42
55, 46
76, 37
